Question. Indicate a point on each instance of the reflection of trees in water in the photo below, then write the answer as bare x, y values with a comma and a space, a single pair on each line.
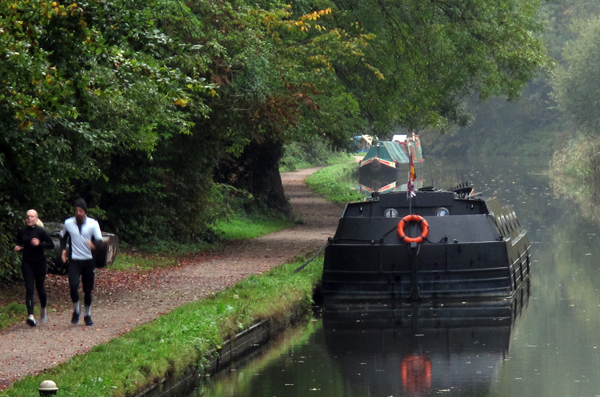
585, 194
560, 336
574, 243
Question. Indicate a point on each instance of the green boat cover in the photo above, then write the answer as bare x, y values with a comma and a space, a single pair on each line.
389, 151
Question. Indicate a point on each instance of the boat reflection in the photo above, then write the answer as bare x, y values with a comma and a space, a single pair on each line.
378, 184
389, 349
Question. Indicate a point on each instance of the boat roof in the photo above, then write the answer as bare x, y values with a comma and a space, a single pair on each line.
387, 150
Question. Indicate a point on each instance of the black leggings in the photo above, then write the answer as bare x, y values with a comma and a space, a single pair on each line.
84, 269
34, 275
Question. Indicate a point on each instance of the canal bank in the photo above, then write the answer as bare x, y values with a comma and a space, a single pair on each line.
59, 346
196, 338
235, 351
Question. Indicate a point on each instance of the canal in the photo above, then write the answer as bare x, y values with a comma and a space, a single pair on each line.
544, 343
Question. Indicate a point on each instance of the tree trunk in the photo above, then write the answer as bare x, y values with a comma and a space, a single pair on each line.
257, 171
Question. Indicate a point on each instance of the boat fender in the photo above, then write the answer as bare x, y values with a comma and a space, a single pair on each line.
413, 218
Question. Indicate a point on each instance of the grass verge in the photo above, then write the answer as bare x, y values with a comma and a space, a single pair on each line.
182, 338
12, 314
247, 227
334, 183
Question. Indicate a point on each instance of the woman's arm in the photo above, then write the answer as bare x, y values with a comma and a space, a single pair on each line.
45, 240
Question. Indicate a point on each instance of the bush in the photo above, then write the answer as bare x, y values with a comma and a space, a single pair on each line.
9, 260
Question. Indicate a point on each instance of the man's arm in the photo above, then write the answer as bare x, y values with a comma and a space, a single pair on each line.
96, 237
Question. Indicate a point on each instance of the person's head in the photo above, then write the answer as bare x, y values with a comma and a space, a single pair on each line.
80, 210
32, 217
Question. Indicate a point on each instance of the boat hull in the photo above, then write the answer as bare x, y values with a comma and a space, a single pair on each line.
379, 170
465, 255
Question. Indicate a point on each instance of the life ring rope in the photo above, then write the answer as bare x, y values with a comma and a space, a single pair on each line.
413, 218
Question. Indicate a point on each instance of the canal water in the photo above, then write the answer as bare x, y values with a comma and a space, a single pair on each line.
544, 343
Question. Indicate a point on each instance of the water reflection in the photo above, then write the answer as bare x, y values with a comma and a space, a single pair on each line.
384, 183
383, 350
418, 350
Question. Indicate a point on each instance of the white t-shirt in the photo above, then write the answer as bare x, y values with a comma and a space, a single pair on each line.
90, 231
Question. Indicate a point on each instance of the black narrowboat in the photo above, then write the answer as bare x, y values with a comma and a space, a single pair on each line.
440, 244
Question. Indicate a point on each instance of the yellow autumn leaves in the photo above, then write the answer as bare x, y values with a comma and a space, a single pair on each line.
313, 16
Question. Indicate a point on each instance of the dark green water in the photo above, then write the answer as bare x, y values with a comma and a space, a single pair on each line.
546, 344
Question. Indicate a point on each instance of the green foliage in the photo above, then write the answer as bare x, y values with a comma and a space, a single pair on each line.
533, 125
578, 162
237, 214
575, 175
309, 154
430, 56
335, 183
576, 85
83, 82
230, 213
9, 261
164, 198
576, 92
558, 18
228, 201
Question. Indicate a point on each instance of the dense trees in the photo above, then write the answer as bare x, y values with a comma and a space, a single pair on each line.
432, 55
576, 91
536, 124
577, 84
140, 106
82, 83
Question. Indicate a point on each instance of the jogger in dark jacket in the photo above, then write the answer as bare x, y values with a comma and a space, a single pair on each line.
32, 240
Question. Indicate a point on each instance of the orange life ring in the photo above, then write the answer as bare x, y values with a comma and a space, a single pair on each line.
413, 218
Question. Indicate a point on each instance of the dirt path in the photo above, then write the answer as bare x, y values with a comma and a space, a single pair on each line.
119, 307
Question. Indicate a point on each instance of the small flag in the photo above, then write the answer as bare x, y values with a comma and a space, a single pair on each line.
410, 190
411, 174
410, 186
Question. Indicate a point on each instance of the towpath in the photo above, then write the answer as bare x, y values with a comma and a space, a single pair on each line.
124, 300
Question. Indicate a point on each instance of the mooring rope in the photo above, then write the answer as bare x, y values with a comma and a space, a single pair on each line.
313, 257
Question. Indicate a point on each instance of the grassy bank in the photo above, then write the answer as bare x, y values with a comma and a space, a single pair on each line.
335, 183
179, 339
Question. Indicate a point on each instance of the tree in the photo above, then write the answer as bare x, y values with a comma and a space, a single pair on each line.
411, 64
577, 84
433, 55
81, 82
275, 83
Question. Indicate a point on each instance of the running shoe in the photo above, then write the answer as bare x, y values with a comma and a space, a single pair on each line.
88, 320
75, 318
31, 321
